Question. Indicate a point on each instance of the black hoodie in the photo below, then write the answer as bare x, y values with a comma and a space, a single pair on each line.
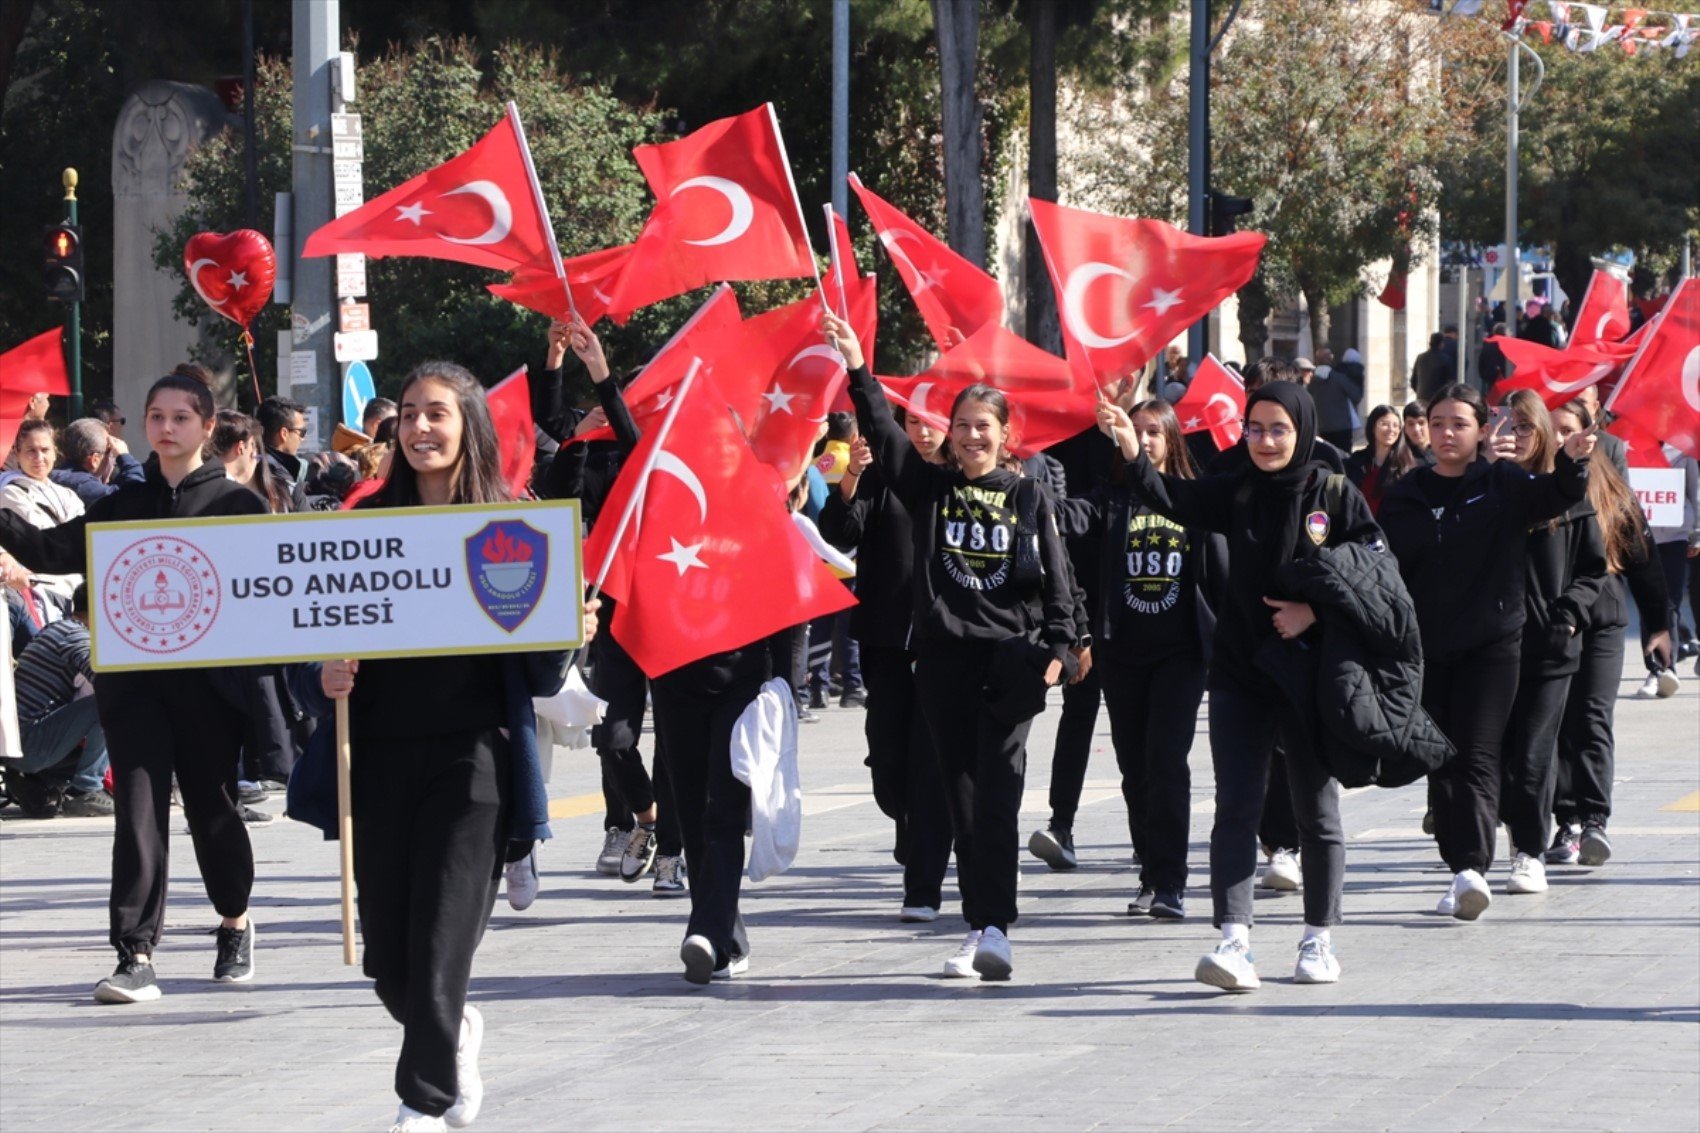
1566, 573
965, 590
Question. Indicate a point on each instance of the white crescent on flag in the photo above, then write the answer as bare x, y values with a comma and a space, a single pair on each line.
501, 213
1074, 294
195, 282
743, 209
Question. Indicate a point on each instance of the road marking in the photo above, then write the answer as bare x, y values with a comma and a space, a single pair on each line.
576, 806
1685, 803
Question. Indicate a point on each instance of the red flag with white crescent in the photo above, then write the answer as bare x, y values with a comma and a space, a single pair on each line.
1604, 313
476, 208
1126, 288
1660, 389
1215, 400
36, 365
1557, 375
591, 277
510, 411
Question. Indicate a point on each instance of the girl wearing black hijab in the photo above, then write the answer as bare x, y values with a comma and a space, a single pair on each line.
1280, 506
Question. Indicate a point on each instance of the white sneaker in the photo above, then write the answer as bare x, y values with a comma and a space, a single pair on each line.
917, 914
613, 848
1230, 967
1283, 873
469, 1082
961, 965
520, 880
736, 966
697, 952
1668, 683
992, 958
1649, 689
638, 854
669, 876
1467, 898
1528, 875
410, 1120
1317, 964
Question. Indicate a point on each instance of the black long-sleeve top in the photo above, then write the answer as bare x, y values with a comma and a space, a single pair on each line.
1566, 573
879, 527
586, 470
965, 591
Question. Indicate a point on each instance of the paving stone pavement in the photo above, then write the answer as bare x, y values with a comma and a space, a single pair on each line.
1578, 1009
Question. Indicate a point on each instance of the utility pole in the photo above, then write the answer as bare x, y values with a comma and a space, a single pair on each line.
1198, 156
313, 370
74, 327
1512, 269
840, 107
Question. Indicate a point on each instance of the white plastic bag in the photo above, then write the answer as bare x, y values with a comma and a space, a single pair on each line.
572, 712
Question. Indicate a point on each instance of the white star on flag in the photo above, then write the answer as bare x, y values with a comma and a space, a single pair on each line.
1162, 300
414, 212
778, 401
662, 398
1194, 422
684, 557
238, 279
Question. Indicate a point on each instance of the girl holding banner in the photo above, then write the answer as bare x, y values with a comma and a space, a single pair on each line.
447, 783
162, 722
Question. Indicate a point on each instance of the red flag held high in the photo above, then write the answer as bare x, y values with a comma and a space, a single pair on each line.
1046, 403
1557, 375
1215, 400
510, 412
1660, 389
710, 560
36, 365
591, 276
955, 297
725, 209
1604, 314
1127, 288
477, 208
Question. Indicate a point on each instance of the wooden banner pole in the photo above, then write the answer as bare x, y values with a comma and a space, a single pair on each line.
345, 828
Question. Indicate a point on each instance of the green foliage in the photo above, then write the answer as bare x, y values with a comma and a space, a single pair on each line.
419, 107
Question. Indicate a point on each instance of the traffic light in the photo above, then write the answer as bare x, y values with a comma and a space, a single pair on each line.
1223, 210
62, 264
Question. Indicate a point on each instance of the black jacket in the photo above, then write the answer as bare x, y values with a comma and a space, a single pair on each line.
1566, 573
878, 526
89, 487
1355, 682
1641, 582
586, 470
1465, 567
954, 603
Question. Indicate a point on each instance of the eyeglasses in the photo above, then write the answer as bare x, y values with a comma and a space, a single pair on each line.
300, 432
1276, 433
1523, 429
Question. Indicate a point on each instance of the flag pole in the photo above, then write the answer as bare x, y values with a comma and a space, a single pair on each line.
345, 827
802, 222
835, 261
542, 208
1651, 331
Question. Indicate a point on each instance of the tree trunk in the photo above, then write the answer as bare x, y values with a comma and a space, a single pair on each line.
1042, 329
1254, 317
1316, 308
957, 23
14, 18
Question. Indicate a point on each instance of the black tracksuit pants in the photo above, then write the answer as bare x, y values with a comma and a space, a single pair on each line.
430, 831
1074, 747
1531, 756
695, 724
627, 789
1587, 751
1247, 731
157, 723
905, 772
1277, 829
1153, 715
984, 767
1470, 699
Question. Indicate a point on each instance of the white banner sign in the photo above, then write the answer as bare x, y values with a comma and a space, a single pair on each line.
402, 582
1660, 493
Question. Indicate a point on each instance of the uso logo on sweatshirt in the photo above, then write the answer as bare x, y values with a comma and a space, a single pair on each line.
977, 536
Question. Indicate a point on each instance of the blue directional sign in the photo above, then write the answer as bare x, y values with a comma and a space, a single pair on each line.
357, 390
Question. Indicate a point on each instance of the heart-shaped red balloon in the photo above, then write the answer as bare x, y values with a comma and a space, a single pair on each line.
232, 272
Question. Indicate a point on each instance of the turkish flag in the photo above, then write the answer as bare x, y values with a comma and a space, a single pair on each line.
703, 337
591, 277
955, 297
1604, 314
1660, 389
726, 209
1557, 375
34, 366
510, 412
477, 208
1215, 400
1643, 450
705, 557
1046, 404
1127, 288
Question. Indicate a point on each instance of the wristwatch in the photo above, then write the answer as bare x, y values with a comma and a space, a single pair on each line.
1084, 641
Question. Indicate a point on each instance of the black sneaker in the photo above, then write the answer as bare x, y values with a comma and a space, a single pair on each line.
1169, 905
1595, 849
35, 796
1053, 847
853, 698
251, 793
235, 963
131, 982
817, 697
253, 817
1140, 906
88, 804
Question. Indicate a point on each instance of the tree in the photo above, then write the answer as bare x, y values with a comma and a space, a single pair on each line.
958, 26
1333, 119
421, 106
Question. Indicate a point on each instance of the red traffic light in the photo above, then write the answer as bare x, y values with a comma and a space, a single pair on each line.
63, 241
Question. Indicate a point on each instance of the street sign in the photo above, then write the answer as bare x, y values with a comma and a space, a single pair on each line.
354, 316
357, 390
350, 275
345, 126
356, 346
348, 149
303, 367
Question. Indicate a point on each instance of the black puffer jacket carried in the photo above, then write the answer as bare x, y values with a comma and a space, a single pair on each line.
1355, 682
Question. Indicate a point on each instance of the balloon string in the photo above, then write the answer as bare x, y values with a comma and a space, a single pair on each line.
253, 371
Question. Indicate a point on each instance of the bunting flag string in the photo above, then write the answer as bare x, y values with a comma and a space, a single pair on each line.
1586, 28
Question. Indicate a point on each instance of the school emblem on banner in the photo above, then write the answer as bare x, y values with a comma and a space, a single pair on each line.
1316, 526
507, 562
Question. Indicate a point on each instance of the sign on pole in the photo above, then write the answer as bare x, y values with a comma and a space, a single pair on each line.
355, 345
357, 390
385, 582
1660, 492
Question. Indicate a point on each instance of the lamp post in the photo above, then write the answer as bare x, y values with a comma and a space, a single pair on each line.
74, 327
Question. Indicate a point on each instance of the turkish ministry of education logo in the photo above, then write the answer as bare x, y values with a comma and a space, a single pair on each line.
507, 562
161, 595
